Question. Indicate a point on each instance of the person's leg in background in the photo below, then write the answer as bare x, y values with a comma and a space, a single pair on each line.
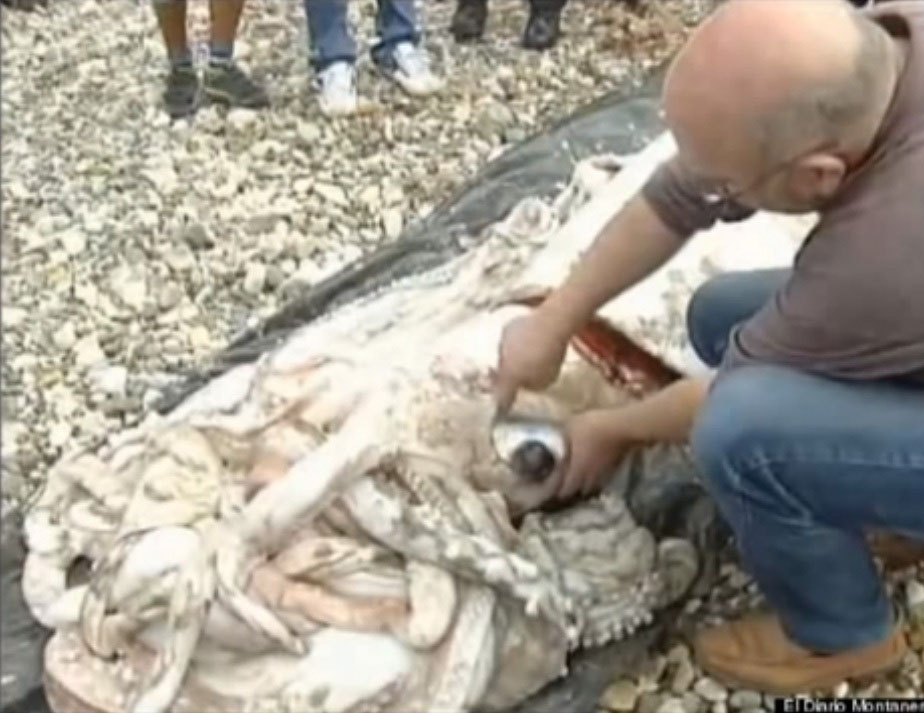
468, 20
399, 52
333, 55
223, 80
543, 28
181, 94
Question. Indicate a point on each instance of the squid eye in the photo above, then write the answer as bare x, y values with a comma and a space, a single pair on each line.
533, 461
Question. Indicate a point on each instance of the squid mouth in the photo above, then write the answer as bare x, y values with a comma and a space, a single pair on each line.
533, 461
532, 448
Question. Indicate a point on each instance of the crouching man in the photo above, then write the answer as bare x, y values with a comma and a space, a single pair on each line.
811, 431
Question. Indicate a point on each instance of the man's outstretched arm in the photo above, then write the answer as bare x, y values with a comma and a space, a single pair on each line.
599, 439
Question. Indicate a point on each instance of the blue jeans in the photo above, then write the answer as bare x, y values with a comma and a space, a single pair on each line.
332, 41
802, 467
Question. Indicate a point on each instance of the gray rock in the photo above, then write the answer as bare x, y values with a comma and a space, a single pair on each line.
260, 224
620, 696
197, 237
180, 258
744, 699
169, 296
672, 705
274, 277
692, 703
649, 702
683, 676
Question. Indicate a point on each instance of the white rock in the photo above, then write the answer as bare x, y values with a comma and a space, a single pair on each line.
672, 705
914, 594
199, 338
13, 317
308, 132
163, 178
87, 293
65, 337
241, 119
255, 278
87, 352
371, 198
59, 434
743, 699
710, 690
331, 193
111, 380
130, 287
73, 241
10, 436
392, 222
180, 258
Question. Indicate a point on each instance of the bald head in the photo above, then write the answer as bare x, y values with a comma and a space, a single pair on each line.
770, 78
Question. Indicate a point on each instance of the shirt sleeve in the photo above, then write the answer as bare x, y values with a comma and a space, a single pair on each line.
677, 198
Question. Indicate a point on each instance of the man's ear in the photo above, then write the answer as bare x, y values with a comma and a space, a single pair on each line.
819, 175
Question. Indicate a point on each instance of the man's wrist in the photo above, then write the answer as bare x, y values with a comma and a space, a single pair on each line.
561, 315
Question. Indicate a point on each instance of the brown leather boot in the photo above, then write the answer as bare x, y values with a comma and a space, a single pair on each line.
895, 551
755, 653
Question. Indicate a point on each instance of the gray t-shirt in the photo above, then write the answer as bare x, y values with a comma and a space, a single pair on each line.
853, 307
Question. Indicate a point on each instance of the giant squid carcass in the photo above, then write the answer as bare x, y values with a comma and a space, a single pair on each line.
330, 527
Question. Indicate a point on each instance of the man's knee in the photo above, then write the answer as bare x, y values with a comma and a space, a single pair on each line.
705, 323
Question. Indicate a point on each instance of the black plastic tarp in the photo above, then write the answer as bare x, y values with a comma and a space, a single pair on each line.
621, 122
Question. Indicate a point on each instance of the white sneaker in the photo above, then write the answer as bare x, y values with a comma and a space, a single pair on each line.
338, 96
412, 70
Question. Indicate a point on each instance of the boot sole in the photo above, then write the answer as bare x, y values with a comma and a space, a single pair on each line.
225, 99
855, 672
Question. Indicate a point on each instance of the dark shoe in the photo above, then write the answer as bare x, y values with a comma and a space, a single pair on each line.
469, 20
542, 31
225, 83
755, 653
181, 95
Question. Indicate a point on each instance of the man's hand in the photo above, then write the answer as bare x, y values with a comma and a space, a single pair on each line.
597, 442
600, 439
632, 245
531, 354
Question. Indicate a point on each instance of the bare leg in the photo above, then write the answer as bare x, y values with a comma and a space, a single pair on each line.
171, 16
181, 95
226, 17
224, 82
